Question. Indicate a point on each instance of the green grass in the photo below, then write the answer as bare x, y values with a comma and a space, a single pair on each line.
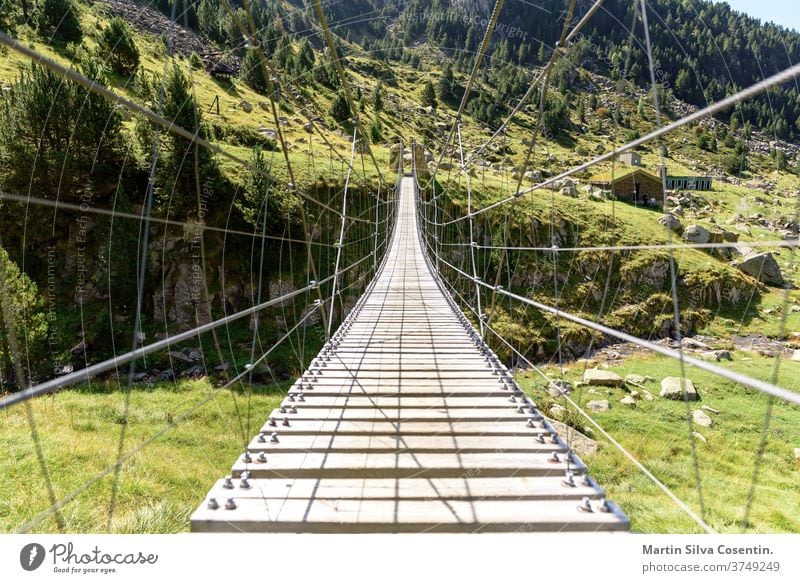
160, 486
656, 433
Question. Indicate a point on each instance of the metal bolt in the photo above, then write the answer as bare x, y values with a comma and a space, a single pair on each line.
228, 485
605, 506
291, 397
531, 423
261, 438
513, 399
554, 459
301, 397
272, 422
282, 409
213, 504
586, 480
274, 437
568, 480
244, 483
586, 505
230, 504
540, 438
262, 458
520, 409
554, 438
246, 458
286, 422
293, 410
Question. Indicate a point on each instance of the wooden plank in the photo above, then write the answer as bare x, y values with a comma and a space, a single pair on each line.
373, 516
475, 488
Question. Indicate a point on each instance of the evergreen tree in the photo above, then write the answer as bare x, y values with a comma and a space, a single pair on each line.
59, 19
429, 95
377, 97
118, 48
251, 71
340, 108
447, 83
305, 58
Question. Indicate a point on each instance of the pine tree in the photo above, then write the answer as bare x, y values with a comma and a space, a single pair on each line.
377, 97
251, 71
59, 19
446, 83
340, 108
118, 48
429, 95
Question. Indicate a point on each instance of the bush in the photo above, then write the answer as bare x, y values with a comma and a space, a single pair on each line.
58, 19
118, 48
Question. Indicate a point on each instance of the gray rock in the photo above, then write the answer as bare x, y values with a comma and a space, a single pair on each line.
557, 411
647, 396
696, 234
717, 355
692, 343
602, 378
673, 388
598, 406
246, 106
579, 443
636, 379
671, 222
763, 267
710, 409
796, 355
701, 419
166, 375
699, 437
178, 356
195, 354
557, 388
797, 454
628, 401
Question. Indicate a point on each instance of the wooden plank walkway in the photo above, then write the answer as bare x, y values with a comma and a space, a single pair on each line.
405, 422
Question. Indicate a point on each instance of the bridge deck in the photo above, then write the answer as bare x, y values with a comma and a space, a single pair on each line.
405, 422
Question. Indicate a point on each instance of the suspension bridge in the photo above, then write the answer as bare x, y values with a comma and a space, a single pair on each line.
406, 420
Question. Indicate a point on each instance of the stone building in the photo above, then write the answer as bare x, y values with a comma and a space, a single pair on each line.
634, 185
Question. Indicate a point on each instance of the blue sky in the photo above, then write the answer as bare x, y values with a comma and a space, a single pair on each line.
783, 12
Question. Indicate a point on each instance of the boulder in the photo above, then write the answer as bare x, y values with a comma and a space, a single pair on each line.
557, 411
628, 401
671, 222
687, 342
602, 378
569, 191
647, 396
246, 106
699, 437
763, 267
675, 388
796, 355
701, 419
696, 234
598, 406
